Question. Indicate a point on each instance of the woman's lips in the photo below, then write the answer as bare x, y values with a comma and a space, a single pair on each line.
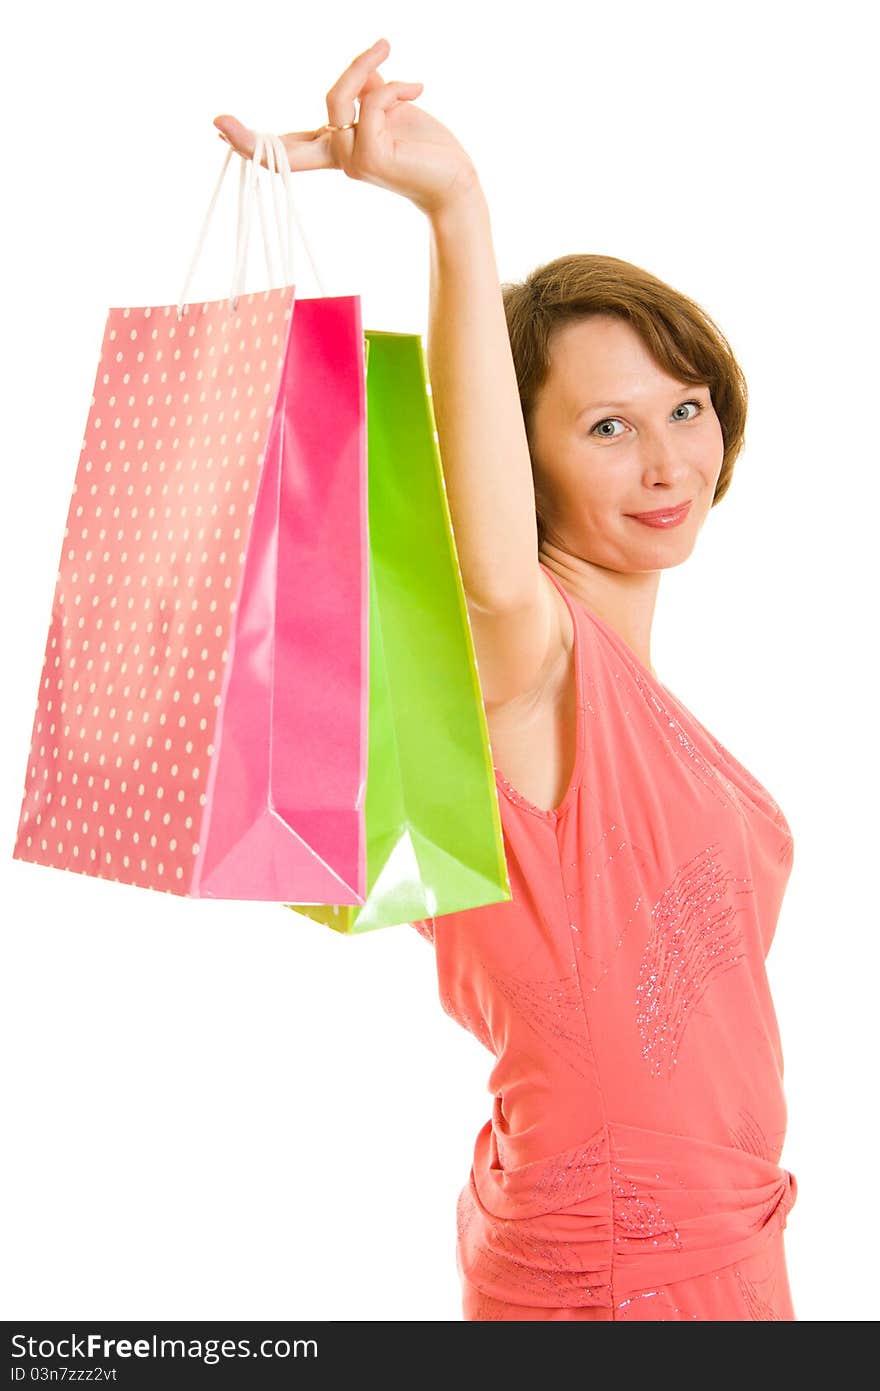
662, 519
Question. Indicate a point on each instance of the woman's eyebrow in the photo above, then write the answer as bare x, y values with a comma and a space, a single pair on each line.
622, 405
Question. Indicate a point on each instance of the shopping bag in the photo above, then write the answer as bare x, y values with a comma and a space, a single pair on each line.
201, 723
434, 839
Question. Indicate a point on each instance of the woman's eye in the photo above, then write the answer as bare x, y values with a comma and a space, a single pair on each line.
597, 429
612, 419
697, 405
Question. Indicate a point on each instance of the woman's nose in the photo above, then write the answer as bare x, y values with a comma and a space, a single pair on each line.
661, 459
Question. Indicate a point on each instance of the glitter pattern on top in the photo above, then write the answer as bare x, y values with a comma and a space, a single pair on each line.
694, 937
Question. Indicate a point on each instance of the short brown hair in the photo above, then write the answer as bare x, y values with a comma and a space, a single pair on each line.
677, 332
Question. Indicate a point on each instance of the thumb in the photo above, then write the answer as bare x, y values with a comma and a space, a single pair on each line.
374, 80
372, 113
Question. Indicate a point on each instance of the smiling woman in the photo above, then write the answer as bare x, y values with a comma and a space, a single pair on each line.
630, 1167
588, 420
676, 336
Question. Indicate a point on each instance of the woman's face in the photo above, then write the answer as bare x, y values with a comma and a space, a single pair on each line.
611, 435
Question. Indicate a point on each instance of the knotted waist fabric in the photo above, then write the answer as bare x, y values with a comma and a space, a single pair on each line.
629, 1209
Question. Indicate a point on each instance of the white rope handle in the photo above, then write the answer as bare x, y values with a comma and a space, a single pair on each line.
248, 192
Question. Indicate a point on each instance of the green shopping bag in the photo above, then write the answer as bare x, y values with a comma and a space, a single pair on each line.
433, 828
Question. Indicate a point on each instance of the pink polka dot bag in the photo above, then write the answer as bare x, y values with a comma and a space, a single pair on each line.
201, 718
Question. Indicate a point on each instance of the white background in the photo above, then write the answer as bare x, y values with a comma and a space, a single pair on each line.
222, 1110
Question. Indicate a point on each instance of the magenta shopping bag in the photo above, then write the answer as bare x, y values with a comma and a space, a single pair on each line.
201, 722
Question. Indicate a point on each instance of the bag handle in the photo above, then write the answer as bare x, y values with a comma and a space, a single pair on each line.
248, 192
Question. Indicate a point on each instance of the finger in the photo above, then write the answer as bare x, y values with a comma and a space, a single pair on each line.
306, 149
374, 80
341, 97
376, 103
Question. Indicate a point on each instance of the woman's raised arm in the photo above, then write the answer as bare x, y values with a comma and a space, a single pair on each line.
477, 408
395, 144
486, 464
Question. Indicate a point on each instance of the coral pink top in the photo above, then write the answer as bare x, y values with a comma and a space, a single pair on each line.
630, 1167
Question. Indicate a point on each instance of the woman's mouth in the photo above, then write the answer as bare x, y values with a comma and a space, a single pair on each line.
670, 517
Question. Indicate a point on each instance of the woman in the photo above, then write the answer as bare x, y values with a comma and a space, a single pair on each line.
588, 420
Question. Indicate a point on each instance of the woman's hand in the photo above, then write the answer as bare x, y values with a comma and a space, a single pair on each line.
394, 144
